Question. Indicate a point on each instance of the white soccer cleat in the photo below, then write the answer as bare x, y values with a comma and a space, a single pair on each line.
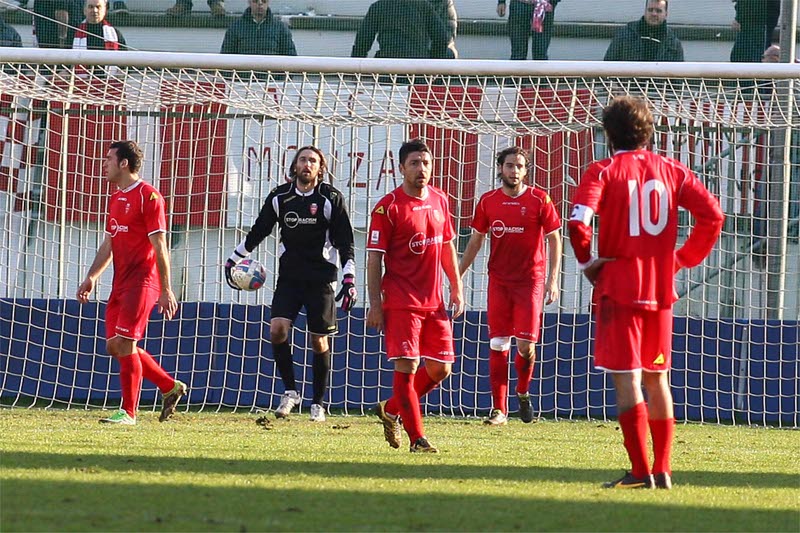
317, 413
496, 418
289, 401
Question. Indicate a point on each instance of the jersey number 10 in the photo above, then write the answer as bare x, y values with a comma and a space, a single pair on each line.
640, 216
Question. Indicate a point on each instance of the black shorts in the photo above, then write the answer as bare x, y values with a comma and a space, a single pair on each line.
316, 297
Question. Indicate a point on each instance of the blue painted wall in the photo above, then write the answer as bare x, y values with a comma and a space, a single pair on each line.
55, 350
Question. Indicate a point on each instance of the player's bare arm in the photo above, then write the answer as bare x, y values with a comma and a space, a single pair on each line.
450, 267
100, 263
167, 304
473, 247
554, 251
374, 275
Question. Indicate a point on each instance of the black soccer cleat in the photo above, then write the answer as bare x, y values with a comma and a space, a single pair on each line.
663, 480
421, 445
525, 408
629, 482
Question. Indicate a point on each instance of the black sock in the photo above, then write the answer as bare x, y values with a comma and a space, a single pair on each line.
321, 369
283, 360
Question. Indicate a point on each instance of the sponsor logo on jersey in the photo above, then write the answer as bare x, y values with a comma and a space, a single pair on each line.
115, 227
499, 228
419, 242
375, 236
292, 220
421, 207
312, 209
659, 360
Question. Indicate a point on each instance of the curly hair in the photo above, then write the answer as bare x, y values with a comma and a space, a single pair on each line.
129, 150
323, 164
628, 123
515, 151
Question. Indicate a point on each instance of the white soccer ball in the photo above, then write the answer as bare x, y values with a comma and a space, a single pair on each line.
249, 275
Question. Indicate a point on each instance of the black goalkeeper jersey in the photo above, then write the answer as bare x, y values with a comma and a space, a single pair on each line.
315, 231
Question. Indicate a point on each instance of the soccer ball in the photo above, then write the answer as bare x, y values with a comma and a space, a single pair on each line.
249, 275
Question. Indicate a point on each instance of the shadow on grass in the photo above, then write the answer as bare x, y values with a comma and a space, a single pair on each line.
84, 505
375, 470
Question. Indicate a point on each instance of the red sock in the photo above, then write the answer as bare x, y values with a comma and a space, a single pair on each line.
130, 380
634, 430
662, 432
524, 369
498, 379
408, 404
423, 383
153, 372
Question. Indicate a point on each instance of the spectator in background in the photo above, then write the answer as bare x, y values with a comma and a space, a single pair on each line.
755, 23
647, 39
258, 32
52, 20
95, 32
8, 35
184, 7
529, 20
446, 9
404, 28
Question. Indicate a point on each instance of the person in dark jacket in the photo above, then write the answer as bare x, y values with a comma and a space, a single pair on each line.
755, 23
647, 39
529, 21
54, 22
446, 9
404, 28
8, 35
259, 32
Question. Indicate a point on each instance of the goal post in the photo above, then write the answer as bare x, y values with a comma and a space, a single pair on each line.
218, 132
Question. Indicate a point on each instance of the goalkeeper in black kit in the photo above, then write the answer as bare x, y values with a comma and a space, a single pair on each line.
315, 235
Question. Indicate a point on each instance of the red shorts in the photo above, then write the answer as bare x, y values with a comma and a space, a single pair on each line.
128, 311
515, 310
415, 334
630, 339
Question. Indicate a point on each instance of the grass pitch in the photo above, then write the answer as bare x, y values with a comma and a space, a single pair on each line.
62, 471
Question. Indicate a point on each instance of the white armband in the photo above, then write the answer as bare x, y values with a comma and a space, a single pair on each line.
582, 213
587, 264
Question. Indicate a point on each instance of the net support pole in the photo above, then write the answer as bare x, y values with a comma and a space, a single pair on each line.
780, 172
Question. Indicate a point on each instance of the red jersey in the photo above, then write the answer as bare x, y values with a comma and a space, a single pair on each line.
411, 233
133, 215
636, 195
517, 227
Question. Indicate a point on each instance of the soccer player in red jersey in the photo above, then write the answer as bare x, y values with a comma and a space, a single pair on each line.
411, 236
519, 218
636, 194
136, 242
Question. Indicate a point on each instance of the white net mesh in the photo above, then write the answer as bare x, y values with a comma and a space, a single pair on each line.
216, 141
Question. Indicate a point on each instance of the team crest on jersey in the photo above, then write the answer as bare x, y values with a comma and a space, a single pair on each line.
524, 209
127, 208
437, 215
312, 209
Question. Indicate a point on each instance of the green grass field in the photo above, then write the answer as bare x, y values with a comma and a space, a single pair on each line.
62, 471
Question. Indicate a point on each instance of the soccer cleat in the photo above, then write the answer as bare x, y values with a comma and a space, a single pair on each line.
317, 413
663, 480
421, 445
289, 401
496, 418
171, 400
392, 430
629, 482
120, 417
525, 408
218, 9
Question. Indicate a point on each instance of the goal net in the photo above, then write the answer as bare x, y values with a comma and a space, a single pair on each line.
218, 133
